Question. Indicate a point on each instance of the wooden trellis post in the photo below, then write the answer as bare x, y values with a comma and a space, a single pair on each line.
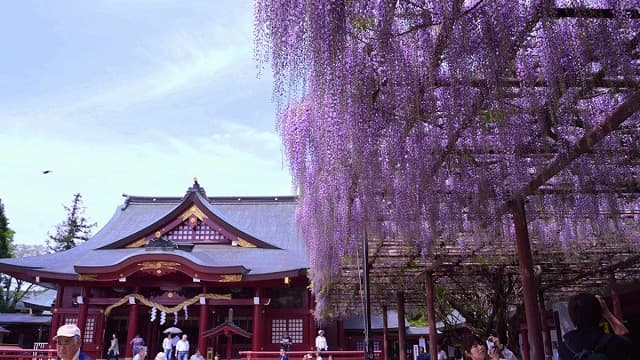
527, 276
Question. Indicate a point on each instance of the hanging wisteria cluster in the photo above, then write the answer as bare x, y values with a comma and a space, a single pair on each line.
419, 120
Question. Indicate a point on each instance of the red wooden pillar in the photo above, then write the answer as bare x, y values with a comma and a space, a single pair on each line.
216, 320
229, 348
525, 345
256, 341
402, 332
528, 279
548, 351
431, 316
56, 319
82, 312
341, 335
312, 328
615, 296
385, 333
132, 329
203, 324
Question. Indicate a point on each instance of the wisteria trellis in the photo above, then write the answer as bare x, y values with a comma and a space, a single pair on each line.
419, 120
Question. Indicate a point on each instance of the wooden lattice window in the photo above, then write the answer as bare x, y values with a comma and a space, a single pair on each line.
360, 345
89, 330
293, 327
200, 233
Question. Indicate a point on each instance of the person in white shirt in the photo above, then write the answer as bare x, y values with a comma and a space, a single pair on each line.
442, 355
182, 348
167, 347
321, 341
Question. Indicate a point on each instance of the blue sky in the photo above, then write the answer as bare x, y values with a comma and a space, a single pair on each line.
134, 97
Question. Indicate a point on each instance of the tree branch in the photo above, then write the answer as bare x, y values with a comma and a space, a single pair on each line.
582, 146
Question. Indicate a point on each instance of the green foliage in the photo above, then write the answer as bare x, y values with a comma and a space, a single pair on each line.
417, 320
11, 290
74, 230
363, 23
490, 306
492, 116
6, 235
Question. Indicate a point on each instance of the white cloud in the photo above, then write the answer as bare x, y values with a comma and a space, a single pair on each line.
137, 129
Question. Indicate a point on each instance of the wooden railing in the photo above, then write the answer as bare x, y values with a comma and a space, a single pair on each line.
298, 355
27, 354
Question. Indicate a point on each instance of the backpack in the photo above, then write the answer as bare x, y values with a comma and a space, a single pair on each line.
596, 353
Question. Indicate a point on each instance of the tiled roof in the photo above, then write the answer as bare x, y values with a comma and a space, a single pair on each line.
19, 318
268, 219
43, 300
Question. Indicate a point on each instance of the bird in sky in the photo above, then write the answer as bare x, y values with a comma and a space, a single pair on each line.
46, 171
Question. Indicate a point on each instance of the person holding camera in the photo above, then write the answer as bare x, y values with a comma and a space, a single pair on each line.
492, 349
586, 312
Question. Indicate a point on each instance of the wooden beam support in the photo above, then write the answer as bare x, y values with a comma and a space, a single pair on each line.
431, 315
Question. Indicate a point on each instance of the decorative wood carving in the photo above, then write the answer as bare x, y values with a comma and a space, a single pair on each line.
159, 268
137, 243
87, 277
230, 277
193, 210
244, 243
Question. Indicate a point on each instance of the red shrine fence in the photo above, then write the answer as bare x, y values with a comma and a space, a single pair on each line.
298, 355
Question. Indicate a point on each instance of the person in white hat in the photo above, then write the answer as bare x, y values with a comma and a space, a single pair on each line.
321, 341
68, 342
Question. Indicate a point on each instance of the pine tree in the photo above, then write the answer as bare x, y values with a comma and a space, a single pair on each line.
74, 230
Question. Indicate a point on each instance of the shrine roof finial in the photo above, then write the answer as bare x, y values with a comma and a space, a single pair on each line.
196, 188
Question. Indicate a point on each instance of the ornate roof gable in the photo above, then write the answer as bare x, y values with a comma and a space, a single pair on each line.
193, 221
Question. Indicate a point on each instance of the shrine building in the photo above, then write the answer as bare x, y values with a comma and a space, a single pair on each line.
231, 273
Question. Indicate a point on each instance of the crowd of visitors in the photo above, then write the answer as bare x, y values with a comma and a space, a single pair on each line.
587, 312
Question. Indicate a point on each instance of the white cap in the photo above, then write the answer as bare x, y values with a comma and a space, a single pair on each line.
68, 330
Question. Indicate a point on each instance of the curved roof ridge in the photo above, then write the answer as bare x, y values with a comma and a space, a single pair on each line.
265, 221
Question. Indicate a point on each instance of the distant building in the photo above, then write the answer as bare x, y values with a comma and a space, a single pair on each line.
24, 329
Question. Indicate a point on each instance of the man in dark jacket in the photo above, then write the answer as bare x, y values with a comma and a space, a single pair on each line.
586, 311
283, 355
422, 355
68, 343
